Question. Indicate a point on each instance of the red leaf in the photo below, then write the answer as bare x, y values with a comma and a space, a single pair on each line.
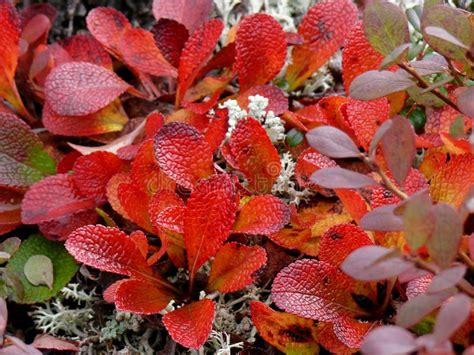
170, 37
196, 53
108, 119
134, 201
208, 220
24, 160
191, 325
92, 173
324, 28
59, 229
308, 162
10, 212
277, 101
140, 297
108, 249
138, 50
78, 89
234, 266
107, 25
314, 289
46, 341
260, 50
190, 13
85, 48
251, 151
146, 173
265, 214
358, 56
51, 198
167, 210
365, 117
339, 241
283, 329
351, 331
183, 154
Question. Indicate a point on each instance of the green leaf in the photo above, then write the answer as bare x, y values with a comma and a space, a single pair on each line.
294, 137
418, 118
427, 99
386, 26
64, 268
39, 271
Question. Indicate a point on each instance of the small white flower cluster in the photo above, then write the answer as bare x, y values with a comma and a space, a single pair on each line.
257, 104
285, 184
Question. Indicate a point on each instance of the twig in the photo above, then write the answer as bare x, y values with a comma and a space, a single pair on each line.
455, 73
464, 257
424, 84
386, 181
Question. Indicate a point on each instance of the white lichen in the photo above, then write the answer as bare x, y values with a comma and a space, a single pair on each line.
223, 344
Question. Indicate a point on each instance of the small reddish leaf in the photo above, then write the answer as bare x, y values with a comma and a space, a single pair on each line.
314, 289
107, 25
452, 315
208, 221
190, 13
140, 297
253, 153
191, 325
138, 50
23, 159
365, 117
109, 119
282, 329
374, 84
389, 339
265, 214
92, 173
382, 219
134, 202
339, 241
447, 278
170, 37
373, 262
77, 89
351, 332
234, 266
51, 198
338, 178
324, 29
59, 229
108, 249
260, 50
453, 180
332, 142
85, 48
46, 341
183, 154
308, 162
196, 52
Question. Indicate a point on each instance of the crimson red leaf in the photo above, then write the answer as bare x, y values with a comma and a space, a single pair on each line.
190, 13
308, 162
51, 198
338, 178
140, 297
313, 289
260, 50
134, 202
452, 315
80, 88
389, 339
92, 173
208, 220
264, 214
107, 25
108, 249
324, 29
170, 37
399, 148
196, 53
166, 210
251, 151
234, 266
85, 48
332, 142
59, 229
191, 325
183, 153
373, 262
339, 241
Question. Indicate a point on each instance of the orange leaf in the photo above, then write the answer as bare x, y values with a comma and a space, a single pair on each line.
251, 151
135, 203
208, 220
265, 214
183, 154
260, 50
282, 329
191, 325
324, 28
234, 266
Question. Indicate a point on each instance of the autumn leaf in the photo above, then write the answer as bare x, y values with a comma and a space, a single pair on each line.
190, 13
191, 325
208, 220
260, 50
85, 48
234, 266
170, 37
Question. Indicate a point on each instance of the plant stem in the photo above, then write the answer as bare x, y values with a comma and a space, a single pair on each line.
466, 259
455, 73
462, 285
422, 83
386, 181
